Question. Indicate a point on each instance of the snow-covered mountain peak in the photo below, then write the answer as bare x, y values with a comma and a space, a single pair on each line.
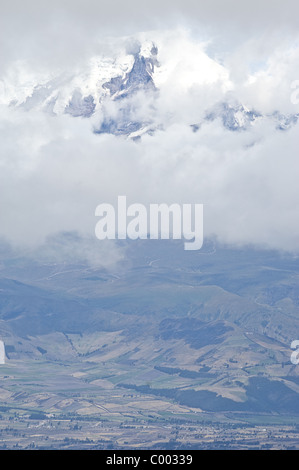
121, 89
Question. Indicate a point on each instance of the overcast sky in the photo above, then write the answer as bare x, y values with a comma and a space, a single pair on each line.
54, 172
65, 29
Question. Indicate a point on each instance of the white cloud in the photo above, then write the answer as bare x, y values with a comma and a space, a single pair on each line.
54, 171
55, 182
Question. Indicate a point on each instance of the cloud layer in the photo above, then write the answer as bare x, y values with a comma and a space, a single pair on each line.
54, 171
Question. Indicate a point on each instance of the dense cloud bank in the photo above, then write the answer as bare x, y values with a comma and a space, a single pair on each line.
55, 170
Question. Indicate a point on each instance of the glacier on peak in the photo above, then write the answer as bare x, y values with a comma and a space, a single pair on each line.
139, 77
123, 88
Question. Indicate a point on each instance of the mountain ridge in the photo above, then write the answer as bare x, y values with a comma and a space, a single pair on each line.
119, 81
